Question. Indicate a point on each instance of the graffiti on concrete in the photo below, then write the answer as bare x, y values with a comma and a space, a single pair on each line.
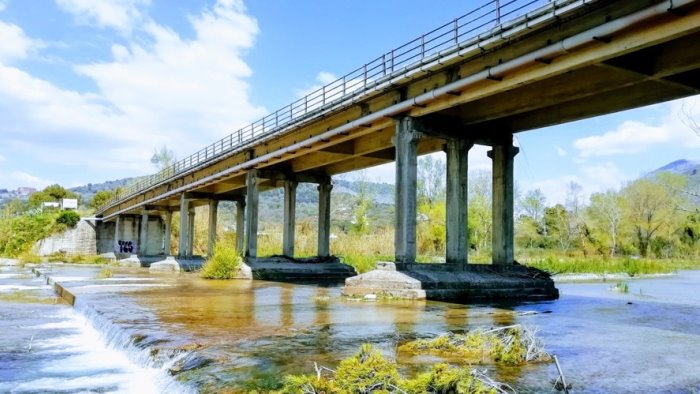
126, 246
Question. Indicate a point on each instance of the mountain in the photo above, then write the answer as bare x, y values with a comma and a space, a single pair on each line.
682, 167
689, 169
87, 191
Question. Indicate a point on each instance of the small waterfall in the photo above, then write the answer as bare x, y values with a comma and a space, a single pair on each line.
152, 373
49, 347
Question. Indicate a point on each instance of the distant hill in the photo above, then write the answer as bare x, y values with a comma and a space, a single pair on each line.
87, 191
681, 167
344, 198
690, 169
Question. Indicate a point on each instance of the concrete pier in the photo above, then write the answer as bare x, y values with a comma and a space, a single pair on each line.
167, 232
190, 232
502, 233
290, 198
406, 142
457, 242
252, 200
143, 235
240, 225
324, 218
211, 235
184, 226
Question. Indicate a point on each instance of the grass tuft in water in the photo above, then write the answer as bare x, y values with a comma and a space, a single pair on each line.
369, 372
512, 345
105, 273
620, 287
223, 264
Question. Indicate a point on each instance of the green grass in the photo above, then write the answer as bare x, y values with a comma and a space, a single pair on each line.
105, 273
369, 372
223, 264
621, 287
600, 265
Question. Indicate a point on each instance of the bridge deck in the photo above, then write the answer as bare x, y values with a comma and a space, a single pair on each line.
582, 59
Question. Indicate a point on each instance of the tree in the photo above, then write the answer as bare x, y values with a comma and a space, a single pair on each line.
163, 158
530, 226
360, 223
52, 193
649, 209
480, 213
576, 223
431, 180
101, 197
533, 204
605, 213
557, 220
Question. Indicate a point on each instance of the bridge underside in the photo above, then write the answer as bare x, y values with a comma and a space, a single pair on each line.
599, 59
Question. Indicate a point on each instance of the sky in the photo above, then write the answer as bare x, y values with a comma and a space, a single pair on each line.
89, 89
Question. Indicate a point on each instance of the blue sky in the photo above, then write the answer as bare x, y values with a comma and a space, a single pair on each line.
90, 88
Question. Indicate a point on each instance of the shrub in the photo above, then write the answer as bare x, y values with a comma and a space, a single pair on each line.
69, 218
223, 264
59, 256
19, 234
105, 273
369, 372
28, 257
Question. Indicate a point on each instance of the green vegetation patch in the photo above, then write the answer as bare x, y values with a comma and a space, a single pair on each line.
225, 263
622, 265
511, 345
68, 218
369, 372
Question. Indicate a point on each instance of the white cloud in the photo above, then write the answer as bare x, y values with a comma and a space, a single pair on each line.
554, 188
322, 78
15, 44
28, 180
117, 14
603, 176
633, 136
630, 137
158, 88
592, 178
560, 152
184, 88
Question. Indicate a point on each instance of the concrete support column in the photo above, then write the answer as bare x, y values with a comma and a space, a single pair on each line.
290, 200
211, 239
457, 207
502, 156
143, 235
252, 201
324, 218
406, 143
190, 232
240, 226
184, 226
117, 233
168, 231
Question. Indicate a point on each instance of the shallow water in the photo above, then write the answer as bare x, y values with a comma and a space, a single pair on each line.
48, 347
243, 334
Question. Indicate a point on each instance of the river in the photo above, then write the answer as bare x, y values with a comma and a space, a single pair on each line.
136, 332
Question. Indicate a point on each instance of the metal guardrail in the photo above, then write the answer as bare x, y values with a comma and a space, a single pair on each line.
481, 24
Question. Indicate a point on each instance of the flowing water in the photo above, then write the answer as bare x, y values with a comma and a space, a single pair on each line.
137, 332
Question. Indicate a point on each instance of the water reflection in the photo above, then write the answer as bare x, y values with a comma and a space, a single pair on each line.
644, 341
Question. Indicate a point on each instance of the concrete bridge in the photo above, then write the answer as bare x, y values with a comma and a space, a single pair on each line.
503, 68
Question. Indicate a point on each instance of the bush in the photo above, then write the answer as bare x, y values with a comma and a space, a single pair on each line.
69, 218
369, 372
19, 234
27, 258
223, 264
